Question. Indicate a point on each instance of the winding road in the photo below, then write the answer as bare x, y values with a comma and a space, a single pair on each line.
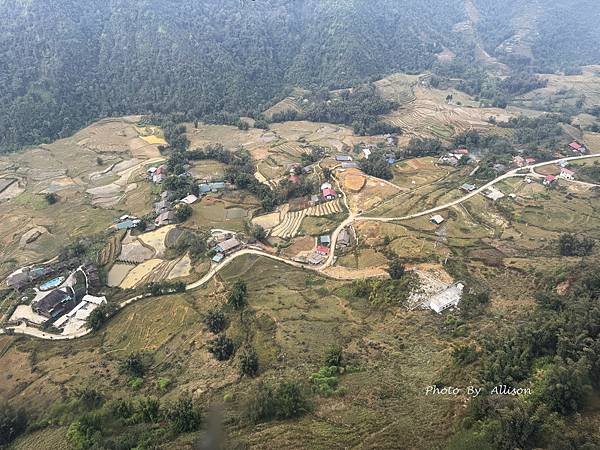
353, 217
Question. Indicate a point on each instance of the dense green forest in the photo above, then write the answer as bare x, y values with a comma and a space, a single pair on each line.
66, 63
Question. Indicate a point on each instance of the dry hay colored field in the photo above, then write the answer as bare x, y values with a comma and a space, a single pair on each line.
429, 115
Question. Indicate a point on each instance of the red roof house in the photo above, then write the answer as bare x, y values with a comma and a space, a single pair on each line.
329, 194
575, 146
530, 161
549, 180
567, 173
462, 151
322, 250
295, 179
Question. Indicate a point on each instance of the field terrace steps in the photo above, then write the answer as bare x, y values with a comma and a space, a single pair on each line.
289, 226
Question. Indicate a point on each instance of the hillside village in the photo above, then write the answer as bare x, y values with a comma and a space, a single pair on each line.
328, 185
329, 229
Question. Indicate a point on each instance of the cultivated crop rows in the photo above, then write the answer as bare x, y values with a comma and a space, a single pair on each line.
291, 222
324, 209
161, 272
290, 225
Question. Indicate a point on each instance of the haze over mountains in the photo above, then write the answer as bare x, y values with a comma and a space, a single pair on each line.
68, 62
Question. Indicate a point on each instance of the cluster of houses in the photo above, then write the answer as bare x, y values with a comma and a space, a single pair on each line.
157, 174
25, 277
68, 302
453, 158
296, 170
565, 174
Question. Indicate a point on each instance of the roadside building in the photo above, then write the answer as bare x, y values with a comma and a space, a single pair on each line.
467, 187
322, 250
549, 180
56, 303
518, 161
314, 200
325, 240
218, 258
567, 174
576, 147
343, 239
315, 259
326, 186
228, 246
530, 161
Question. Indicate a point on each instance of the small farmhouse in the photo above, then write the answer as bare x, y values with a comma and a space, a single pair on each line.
166, 218
228, 246
329, 194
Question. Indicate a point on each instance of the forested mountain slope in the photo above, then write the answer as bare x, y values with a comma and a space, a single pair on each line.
64, 63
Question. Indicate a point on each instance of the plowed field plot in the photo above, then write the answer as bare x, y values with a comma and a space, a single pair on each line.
156, 239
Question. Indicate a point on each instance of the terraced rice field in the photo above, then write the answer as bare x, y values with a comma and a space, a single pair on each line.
287, 104
428, 116
291, 222
111, 250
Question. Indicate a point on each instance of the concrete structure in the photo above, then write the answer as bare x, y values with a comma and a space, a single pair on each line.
437, 219
448, 298
366, 152
325, 240
190, 199
494, 194
468, 187
342, 158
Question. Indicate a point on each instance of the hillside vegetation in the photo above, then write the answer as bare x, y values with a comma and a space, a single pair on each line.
67, 63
